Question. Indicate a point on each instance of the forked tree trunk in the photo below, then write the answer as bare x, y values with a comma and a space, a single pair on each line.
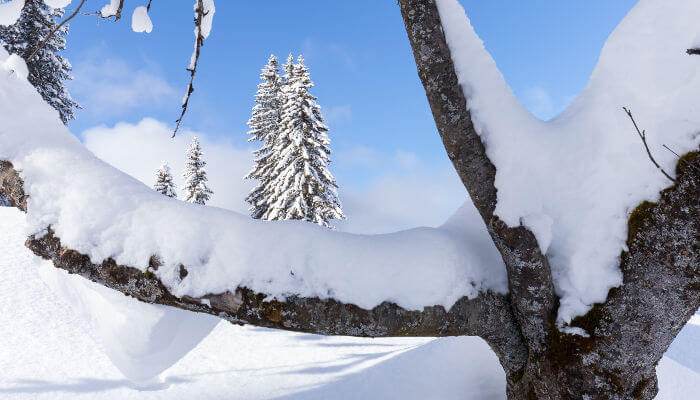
628, 334
630, 331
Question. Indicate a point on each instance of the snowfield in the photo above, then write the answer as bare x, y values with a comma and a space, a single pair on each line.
54, 348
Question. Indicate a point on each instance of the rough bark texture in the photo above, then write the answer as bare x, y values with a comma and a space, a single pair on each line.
628, 334
11, 186
529, 274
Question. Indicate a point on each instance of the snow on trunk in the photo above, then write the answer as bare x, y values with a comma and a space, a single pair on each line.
574, 180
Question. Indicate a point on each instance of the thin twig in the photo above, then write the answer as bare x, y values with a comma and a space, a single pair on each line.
43, 42
192, 68
642, 134
148, 7
693, 51
674, 153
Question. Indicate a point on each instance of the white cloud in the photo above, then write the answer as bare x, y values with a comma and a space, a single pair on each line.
139, 149
109, 86
402, 191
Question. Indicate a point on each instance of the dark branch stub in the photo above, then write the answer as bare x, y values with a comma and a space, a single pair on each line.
642, 135
693, 52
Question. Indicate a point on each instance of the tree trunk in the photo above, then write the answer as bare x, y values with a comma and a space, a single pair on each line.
629, 333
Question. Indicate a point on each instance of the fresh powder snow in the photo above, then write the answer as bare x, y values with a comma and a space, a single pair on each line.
575, 179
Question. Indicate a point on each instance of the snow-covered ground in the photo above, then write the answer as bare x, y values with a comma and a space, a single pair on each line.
48, 350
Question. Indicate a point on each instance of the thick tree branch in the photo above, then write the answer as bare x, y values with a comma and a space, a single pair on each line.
631, 331
487, 316
529, 274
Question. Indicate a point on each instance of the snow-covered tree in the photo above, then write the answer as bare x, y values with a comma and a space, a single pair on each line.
196, 189
164, 181
295, 181
264, 127
48, 70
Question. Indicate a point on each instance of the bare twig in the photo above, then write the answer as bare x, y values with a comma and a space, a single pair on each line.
43, 42
199, 42
669, 149
642, 134
693, 51
676, 154
148, 7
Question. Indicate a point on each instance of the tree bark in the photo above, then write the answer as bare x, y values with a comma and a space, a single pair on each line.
637, 323
628, 333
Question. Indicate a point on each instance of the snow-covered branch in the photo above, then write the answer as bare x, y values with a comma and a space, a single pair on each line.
203, 16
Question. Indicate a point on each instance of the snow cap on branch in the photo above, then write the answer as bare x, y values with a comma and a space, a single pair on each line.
140, 21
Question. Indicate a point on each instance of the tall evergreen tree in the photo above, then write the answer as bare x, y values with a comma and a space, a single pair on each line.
196, 189
264, 127
299, 185
48, 70
164, 181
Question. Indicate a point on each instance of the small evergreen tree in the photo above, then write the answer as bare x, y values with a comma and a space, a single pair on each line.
164, 181
196, 189
264, 127
48, 70
298, 184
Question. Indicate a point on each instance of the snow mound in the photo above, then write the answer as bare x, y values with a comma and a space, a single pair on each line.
574, 180
102, 212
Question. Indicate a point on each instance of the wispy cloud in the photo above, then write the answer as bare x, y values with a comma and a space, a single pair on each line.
109, 86
399, 190
338, 114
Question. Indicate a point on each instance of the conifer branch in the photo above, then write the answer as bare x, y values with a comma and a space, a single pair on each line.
53, 31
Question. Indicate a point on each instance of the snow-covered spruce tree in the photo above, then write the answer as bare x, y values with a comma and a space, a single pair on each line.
48, 70
196, 189
299, 185
164, 181
264, 127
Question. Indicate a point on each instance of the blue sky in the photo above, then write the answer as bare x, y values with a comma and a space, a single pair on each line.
360, 60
